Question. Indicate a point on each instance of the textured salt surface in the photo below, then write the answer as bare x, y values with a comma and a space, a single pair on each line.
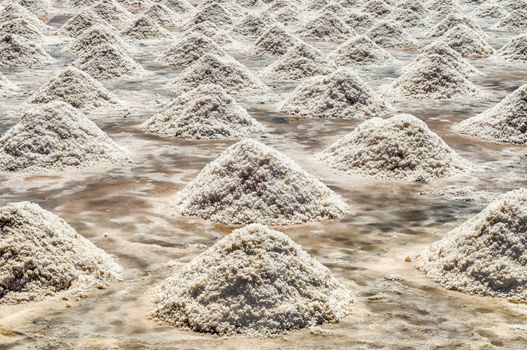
515, 21
253, 183
401, 147
454, 59
214, 13
275, 41
360, 51
452, 21
112, 12
487, 254
190, 49
211, 31
180, 7
5, 85
145, 28
16, 11
95, 36
359, 21
40, 8
255, 281
515, 50
42, 255
253, 25
326, 27
81, 22
163, 15
23, 28
490, 11
16, 51
467, 42
390, 34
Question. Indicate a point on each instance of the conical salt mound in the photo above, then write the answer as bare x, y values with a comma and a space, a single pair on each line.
190, 49
42, 255
95, 36
112, 12
214, 13
55, 136
145, 28
433, 77
77, 88
341, 95
136, 5
505, 122
390, 34
82, 22
253, 25
206, 112
326, 27
275, 287
467, 42
105, 62
516, 21
23, 28
360, 51
231, 75
211, 31
180, 7
286, 15
408, 18
490, 11
452, 21
16, 11
300, 62
275, 41
361, 22
40, 8
318, 4
162, 15
414, 5
399, 148
515, 50
16, 51
253, 183
440, 48
377, 8
5, 85
486, 255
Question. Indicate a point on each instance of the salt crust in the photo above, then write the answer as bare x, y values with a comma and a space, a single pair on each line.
255, 281
515, 21
253, 183
96, 35
390, 34
16, 51
275, 41
487, 255
190, 49
145, 28
55, 136
40, 8
206, 112
42, 255
360, 51
398, 148
515, 50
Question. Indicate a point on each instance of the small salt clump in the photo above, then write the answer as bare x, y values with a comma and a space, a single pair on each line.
454, 59
326, 26
40, 8
275, 41
398, 148
467, 42
487, 254
253, 183
42, 255
55, 136
82, 22
360, 51
22, 28
505, 122
452, 21
214, 13
516, 21
206, 112
390, 34
163, 15
515, 50
359, 21
145, 28
231, 75
190, 49
77, 88
112, 12
95, 36
255, 281
341, 95
253, 25
16, 51
211, 31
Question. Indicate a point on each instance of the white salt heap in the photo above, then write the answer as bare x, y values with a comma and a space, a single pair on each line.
40, 8
516, 21
16, 51
505, 122
513, 5
42, 255
325, 27
112, 12
377, 8
95, 36
452, 21
162, 15
253, 25
136, 5
360, 51
180, 7
190, 49
408, 18
487, 255
490, 11
231, 75
286, 13
206, 112
23, 28
145, 28
214, 13
16, 11
413, 5
255, 281
359, 21
467, 42
105, 62
390, 34
81, 22
275, 41
77, 88
211, 31
341, 95
401, 148
55, 136
515, 50
253, 183
300, 62
318, 4
454, 59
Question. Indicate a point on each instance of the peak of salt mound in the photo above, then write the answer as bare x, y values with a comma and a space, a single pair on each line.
95, 36
277, 287
145, 28
301, 61
16, 51
77, 88
40, 8
513, 5
516, 21
81, 22
467, 42
505, 122
6, 85
485, 255
214, 13
210, 30
232, 7
190, 49
515, 50
325, 27
253, 183
180, 7
112, 12
55, 136
252, 4
318, 5
275, 41
401, 147
206, 112
408, 18
433, 77
490, 11
413, 5
440, 48
226, 72
286, 15
451, 21
136, 5
81, 3
359, 21
390, 34
341, 95
162, 15
253, 25
42, 255
23, 28
105, 62
377, 8
16, 11
360, 51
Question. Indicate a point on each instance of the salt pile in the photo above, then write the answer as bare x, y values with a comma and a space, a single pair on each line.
95, 36
206, 112
16, 51
377, 8
16, 11
106, 62
318, 4
505, 122
360, 51
326, 26
23, 28
145, 28
210, 30
214, 13
253, 25
516, 21
231, 75
55, 136
190, 49
112, 12
5, 85
515, 50
432, 77
275, 287
408, 18
275, 41
284, 12
390, 34
162, 15
401, 148
486, 255
40, 8
300, 62
253, 183
135, 5
359, 21
490, 11
42, 255
467, 42
180, 7
513, 5
81, 22
454, 59
77, 88
231, 7
415, 6
341, 95
452, 21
